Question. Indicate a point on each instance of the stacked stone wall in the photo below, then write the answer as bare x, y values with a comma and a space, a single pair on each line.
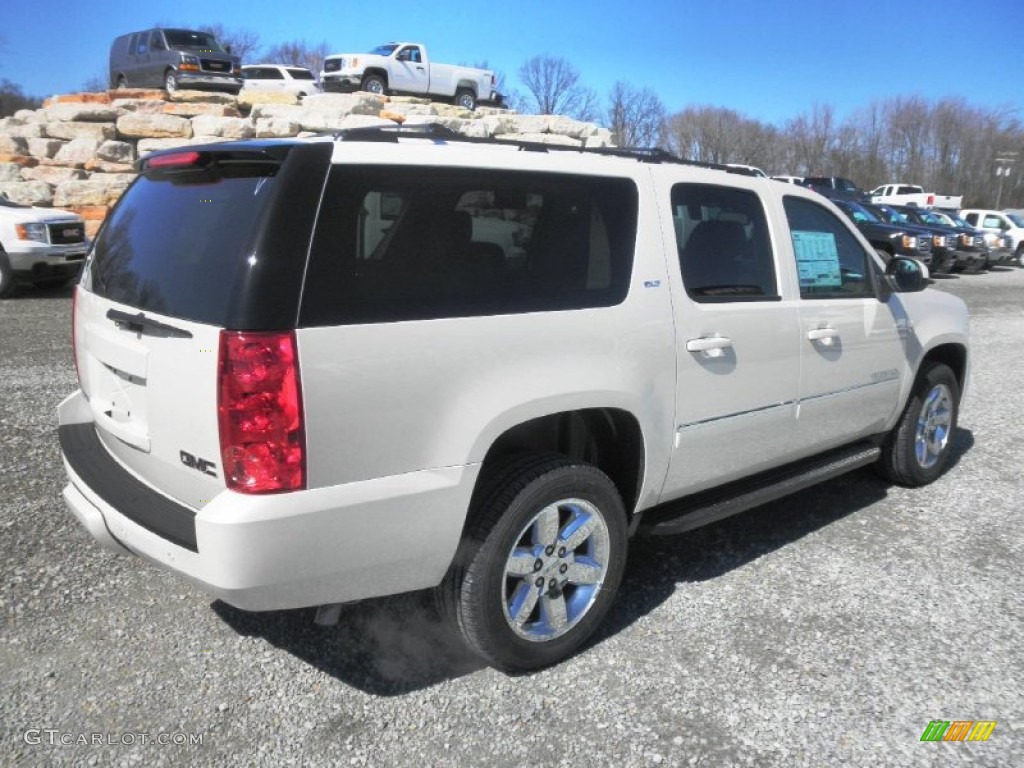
78, 151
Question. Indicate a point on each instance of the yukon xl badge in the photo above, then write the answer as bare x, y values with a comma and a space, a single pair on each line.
194, 462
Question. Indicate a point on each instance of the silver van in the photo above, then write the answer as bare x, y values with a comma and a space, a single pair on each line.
173, 59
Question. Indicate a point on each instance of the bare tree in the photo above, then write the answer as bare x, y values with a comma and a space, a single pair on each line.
12, 98
636, 116
298, 53
556, 89
718, 135
242, 42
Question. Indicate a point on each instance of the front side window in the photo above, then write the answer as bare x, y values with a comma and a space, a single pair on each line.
725, 252
831, 263
399, 243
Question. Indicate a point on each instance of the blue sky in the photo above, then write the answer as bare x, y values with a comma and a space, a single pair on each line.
768, 59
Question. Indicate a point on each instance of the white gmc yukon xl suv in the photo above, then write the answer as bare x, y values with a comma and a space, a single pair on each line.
314, 371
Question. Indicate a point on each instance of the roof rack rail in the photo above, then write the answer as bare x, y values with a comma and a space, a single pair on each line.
442, 133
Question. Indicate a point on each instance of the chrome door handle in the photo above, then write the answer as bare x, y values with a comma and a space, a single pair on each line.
709, 346
826, 336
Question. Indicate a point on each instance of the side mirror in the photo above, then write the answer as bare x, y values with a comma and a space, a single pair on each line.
907, 275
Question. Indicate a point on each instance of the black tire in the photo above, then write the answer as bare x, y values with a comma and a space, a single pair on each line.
919, 446
7, 281
465, 98
1018, 255
374, 84
170, 81
509, 514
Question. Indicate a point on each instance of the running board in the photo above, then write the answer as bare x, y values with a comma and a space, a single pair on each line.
713, 505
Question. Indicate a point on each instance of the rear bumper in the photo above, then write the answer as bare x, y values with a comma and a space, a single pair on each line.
290, 550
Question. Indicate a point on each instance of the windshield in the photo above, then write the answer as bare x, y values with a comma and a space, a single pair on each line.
1016, 218
951, 219
300, 74
860, 213
885, 213
384, 50
186, 38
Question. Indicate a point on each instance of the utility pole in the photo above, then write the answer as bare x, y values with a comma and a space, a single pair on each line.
1004, 166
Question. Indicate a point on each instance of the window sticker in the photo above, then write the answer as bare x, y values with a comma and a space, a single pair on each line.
817, 259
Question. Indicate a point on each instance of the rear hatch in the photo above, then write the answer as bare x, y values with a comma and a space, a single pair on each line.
206, 240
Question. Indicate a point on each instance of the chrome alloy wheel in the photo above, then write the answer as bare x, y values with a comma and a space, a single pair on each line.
934, 424
555, 570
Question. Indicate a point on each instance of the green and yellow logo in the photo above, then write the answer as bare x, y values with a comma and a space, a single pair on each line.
958, 730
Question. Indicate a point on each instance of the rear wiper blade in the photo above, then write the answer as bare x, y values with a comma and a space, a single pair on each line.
141, 324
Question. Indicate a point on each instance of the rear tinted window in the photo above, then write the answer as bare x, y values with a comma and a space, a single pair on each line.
407, 243
181, 246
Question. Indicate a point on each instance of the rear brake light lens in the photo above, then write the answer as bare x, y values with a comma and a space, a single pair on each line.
173, 160
259, 409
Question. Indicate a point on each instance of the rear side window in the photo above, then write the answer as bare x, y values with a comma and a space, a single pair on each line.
180, 246
725, 252
416, 243
830, 261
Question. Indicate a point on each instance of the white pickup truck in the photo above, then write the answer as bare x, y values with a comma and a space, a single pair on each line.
911, 194
406, 68
42, 246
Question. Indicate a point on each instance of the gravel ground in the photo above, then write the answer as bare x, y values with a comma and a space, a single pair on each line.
827, 628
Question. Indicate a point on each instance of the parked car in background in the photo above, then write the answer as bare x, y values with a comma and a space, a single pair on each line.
406, 68
888, 239
173, 59
42, 246
1000, 223
970, 246
911, 194
943, 238
835, 188
988, 240
278, 78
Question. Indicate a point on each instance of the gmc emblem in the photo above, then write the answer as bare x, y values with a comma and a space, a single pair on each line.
202, 465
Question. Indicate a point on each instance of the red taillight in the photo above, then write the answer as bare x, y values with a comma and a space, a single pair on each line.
931, 200
173, 160
259, 410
